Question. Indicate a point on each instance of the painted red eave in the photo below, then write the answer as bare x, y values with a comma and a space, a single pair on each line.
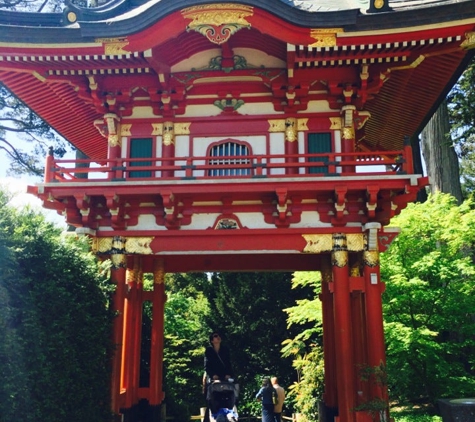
187, 44
176, 24
59, 105
393, 115
407, 98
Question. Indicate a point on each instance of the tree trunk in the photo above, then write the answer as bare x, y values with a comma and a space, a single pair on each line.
439, 155
81, 156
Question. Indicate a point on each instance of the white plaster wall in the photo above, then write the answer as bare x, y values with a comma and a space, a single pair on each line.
202, 110
197, 61
158, 146
309, 219
277, 146
182, 149
317, 106
253, 220
147, 222
123, 147
301, 149
256, 108
338, 147
142, 112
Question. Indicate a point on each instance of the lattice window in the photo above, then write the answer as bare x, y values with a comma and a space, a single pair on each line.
226, 154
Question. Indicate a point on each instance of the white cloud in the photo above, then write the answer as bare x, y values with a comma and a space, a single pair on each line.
17, 187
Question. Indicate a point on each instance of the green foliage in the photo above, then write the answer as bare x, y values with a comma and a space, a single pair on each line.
54, 324
429, 301
305, 348
183, 353
248, 309
413, 414
417, 418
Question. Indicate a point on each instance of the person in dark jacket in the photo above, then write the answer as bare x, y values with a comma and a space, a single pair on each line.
267, 395
217, 366
217, 361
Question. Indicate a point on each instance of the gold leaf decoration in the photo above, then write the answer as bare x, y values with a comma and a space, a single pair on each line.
324, 37
218, 22
317, 243
138, 245
469, 41
355, 242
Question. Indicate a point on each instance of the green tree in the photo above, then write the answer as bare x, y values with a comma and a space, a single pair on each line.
462, 120
185, 310
306, 347
439, 153
54, 323
248, 309
430, 300
19, 123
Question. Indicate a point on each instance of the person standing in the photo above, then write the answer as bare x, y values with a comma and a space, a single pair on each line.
217, 362
267, 395
280, 399
217, 367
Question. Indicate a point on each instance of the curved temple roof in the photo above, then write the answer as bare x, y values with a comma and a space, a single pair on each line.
395, 60
122, 17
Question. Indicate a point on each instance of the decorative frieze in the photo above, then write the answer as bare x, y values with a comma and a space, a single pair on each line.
122, 245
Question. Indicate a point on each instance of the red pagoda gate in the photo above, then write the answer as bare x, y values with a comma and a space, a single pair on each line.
240, 136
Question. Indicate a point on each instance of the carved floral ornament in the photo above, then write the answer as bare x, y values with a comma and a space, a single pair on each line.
168, 130
324, 37
218, 22
469, 42
119, 245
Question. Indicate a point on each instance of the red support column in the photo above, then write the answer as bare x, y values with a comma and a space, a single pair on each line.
118, 272
291, 144
114, 155
374, 322
330, 396
359, 341
168, 148
158, 315
132, 335
343, 335
137, 339
128, 346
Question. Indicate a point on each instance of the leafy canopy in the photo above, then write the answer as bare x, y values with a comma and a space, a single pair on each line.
54, 323
429, 300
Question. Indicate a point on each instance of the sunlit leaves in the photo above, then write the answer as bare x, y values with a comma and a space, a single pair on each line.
430, 300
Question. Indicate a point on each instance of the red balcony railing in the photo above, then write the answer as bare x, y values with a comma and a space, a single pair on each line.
249, 166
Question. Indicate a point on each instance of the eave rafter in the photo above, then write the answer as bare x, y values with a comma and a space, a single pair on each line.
374, 52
